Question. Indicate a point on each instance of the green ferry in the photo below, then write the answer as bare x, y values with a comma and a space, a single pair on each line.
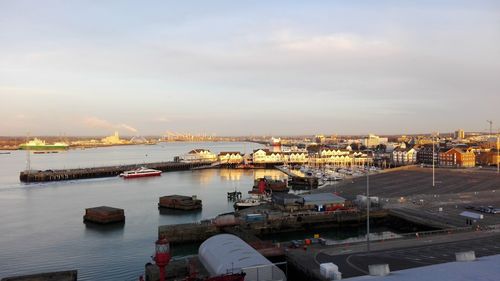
38, 144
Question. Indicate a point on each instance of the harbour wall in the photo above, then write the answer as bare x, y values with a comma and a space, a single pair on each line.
196, 232
101, 172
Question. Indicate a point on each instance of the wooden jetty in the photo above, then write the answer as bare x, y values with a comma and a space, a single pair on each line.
100, 172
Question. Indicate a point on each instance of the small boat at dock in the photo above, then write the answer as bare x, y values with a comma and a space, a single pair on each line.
141, 172
247, 203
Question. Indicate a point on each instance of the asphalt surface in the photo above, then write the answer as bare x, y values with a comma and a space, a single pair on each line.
416, 181
356, 264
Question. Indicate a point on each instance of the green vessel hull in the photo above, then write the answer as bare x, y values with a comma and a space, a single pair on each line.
43, 147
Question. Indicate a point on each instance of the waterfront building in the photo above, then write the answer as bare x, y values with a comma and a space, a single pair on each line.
457, 157
297, 157
230, 157
263, 156
199, 155
332, 152
404, 156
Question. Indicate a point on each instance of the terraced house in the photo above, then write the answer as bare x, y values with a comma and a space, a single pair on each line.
231, 157
404, 156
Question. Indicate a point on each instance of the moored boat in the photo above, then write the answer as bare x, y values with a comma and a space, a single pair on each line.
141, 172
37, 144
247, 203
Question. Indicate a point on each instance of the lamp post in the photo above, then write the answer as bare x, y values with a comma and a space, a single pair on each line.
433, 181
162, 256
368, 209
433, 160
498, 168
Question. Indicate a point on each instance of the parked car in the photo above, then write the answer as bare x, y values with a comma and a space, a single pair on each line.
496, 211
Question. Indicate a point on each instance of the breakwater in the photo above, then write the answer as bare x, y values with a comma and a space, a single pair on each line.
101, 172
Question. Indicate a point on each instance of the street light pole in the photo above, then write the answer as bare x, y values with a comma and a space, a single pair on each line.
368, 210
498, 168
433, 177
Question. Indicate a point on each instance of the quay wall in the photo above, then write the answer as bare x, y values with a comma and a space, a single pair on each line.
188, 232
196, 232
100, 172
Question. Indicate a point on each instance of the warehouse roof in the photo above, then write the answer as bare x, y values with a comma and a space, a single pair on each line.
322, 199
226, 253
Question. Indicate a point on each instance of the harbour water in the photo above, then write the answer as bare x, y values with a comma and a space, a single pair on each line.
42, 227
41, 224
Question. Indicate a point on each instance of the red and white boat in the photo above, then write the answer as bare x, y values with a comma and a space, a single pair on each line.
141, 172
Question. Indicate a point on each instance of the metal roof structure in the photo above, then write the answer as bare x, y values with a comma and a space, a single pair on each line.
322, 199
471, 215
226, 253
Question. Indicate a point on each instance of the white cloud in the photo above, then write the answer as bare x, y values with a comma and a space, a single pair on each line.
337, 42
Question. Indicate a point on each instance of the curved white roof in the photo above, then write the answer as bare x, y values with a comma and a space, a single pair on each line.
225, 253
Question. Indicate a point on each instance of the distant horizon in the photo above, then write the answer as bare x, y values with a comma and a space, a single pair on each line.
243, 136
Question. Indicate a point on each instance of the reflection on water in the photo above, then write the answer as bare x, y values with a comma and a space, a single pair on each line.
191, 215
94, 229
42, 224
274, 174
234, 174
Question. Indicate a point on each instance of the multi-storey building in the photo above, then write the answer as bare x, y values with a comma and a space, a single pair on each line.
200, 155
425, 155
404, 156
457, 157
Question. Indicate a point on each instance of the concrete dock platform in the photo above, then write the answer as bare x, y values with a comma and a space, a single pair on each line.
70, 275
104, 215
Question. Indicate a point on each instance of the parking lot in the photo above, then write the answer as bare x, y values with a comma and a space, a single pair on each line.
356, 264
418, 181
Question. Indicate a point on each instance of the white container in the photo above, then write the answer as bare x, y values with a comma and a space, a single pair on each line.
337, 275
466, 256
379, 269
328, 269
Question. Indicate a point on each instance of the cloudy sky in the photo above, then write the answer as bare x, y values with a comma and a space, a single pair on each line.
248, 67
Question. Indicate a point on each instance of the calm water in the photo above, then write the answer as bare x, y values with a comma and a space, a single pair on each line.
42, 228
41, 224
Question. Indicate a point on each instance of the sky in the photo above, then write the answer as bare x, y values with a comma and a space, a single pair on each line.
248, 67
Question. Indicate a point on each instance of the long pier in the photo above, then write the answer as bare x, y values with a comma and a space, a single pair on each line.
100, 172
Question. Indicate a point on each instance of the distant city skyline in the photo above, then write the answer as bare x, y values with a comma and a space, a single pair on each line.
237, 68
